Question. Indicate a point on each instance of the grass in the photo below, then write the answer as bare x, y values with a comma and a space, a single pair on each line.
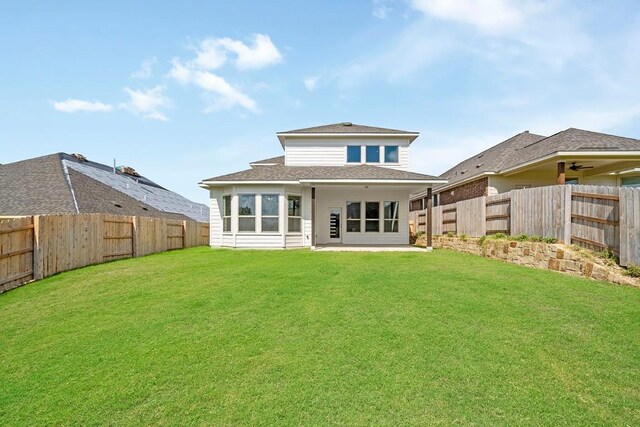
227, 337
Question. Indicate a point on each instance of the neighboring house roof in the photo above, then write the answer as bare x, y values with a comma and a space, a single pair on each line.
526, 147
61, 183
346, 128
281, 173
35, 186
490, 160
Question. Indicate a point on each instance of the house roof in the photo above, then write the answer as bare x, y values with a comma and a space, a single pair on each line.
347, 128
62, 183
280, 173
271, 161
527, 147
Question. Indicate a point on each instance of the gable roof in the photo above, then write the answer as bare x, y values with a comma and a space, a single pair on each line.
347, 128
281, 173
527, 147
62, 183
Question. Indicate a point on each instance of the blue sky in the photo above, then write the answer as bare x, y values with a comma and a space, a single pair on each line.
187, 90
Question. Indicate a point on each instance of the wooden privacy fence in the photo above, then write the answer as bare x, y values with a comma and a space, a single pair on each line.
39, 246
596, 217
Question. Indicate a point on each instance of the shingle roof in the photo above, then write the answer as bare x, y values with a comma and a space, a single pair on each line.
527, 147
35, 186
57, 183
296, 173
491, 159
138, 188
273, 160
347, 127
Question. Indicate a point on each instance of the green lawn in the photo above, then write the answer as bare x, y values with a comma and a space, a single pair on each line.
221, 337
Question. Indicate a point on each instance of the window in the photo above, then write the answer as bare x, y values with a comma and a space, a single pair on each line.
391, 217
631, 181
354, 154
353, 217
295, 214
571, 181
372, 217
270, 212
373, 154
247, 212
391, 154
226, 213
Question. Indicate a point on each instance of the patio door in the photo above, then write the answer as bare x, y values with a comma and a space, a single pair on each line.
335, 225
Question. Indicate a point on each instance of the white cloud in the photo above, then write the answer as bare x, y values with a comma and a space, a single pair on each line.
74, 105
381, 9
311, 82
260, 54
179, 71
211, 55
492, 16
227, 96
144, 72
147, 103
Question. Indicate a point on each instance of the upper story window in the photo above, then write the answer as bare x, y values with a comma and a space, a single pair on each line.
373, 154
391, 154
354, 154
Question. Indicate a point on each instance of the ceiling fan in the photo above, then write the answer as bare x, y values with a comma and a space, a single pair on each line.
575, 167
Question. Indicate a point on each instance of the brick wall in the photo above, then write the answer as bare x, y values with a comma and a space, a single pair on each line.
470, 190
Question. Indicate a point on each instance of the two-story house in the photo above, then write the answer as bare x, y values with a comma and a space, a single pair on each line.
336, 184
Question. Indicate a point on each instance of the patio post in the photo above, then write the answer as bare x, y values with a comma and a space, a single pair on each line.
561, 173
429, 219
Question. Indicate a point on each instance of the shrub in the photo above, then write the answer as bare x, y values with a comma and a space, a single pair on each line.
633, 271
549, 240
482, 240
521, 238
535, 239
420, 234
450, 234
499, 236
464, 237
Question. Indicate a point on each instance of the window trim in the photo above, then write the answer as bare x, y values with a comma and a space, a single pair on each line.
385, 219
347, 154
366, 156
254, 216
262, 215
397, 147
346, 216
230, 216
294, 233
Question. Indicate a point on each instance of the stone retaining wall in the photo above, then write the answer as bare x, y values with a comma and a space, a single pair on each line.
547, 256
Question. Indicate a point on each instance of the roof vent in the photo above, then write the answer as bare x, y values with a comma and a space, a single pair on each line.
127, 170
347, 123
79, 157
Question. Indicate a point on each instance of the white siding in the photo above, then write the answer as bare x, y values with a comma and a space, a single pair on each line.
336, 197
333, 151
215, 214
254, 240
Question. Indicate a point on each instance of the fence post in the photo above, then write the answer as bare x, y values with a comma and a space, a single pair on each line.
134, 236
429, 219
567, 215
38, 261
184, 234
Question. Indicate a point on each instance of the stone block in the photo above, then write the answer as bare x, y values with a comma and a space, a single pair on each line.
526, 251
560, 253
513, 244
600, 272
554, 264
588, 269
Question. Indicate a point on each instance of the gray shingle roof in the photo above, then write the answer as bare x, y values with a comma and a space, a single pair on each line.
347, 127
273, 160
44, 185
527, 147
491, 159
296, 173
35, 186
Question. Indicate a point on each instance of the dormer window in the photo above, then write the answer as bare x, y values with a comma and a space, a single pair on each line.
373, 154
391, 154
354, 154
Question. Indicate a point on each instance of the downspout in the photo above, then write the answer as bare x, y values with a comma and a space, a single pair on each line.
313, 217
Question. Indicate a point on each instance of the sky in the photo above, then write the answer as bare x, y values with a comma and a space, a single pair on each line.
188, 90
